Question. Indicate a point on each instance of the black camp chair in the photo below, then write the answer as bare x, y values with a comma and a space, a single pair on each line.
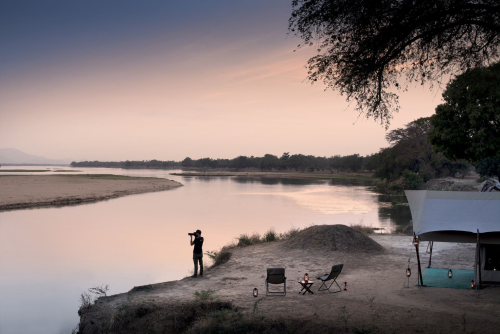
276, 276
336, 269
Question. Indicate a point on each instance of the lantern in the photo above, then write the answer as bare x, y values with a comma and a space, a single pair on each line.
415, 241
472, 285
306, 277
408, 272
255, 292
450, 274
345, 286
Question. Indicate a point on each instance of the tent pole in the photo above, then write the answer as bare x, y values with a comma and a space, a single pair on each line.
430, 255
419, 269
479, 259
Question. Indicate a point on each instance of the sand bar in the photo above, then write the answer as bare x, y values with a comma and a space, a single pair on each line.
292, 175
27, 191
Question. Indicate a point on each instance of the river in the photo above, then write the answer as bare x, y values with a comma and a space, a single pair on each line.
49, 256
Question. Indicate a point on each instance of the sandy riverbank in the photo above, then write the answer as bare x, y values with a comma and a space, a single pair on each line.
376, 299
28, 191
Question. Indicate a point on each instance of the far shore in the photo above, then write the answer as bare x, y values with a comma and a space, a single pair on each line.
294, 175
30, 191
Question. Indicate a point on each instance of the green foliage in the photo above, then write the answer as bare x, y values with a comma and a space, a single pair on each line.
467, 125
293, 231
489, 167
270, 235
344, 314
204, 295
187, 162
244, 240
364, 47
412, 180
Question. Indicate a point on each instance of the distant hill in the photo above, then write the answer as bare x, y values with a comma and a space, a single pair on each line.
14, 156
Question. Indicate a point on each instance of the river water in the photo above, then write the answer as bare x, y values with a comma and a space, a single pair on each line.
49, 256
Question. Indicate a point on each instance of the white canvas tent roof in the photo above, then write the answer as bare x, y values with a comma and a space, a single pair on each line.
455, 216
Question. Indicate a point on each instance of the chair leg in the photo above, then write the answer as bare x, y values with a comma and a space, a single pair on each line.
328, 287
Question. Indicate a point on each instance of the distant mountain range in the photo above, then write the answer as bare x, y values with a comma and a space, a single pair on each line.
14, 156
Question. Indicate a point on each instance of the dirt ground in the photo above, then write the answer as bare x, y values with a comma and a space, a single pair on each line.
376, 296
25, 191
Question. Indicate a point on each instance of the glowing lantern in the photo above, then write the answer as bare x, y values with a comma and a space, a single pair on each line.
450, 274
415, 241
306, 277
255, 292
408, 272
472, 284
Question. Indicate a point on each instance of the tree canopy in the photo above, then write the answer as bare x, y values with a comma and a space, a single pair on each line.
467, 125
365, 46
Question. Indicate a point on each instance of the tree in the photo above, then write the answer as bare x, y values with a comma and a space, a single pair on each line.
489, 167
187, 162
269, 161
467, 125
365, 46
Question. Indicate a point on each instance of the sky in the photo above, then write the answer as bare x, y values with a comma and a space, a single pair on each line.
157, 79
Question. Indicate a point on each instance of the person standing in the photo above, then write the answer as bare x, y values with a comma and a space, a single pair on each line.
197, 253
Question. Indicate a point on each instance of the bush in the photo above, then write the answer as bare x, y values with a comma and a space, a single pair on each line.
412, 180
220, 257
489, 167
395, 188
244, 240
204, 295
290, 233
270, 236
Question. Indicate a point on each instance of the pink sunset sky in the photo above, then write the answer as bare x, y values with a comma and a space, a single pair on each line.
154, 80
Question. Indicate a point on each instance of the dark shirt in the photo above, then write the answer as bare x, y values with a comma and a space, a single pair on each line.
198, 243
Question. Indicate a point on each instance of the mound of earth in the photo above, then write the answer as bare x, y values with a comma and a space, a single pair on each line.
338, 238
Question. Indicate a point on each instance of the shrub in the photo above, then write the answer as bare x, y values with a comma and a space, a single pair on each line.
290, 233
204, 295
244, 240
412, 180
270, 236
220, 257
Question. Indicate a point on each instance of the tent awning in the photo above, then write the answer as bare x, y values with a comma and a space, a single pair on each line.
455, 216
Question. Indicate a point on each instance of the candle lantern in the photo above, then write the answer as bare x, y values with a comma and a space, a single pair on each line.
408, 272
306, 277
345, 286
472, 285
450, 274
415, 241
255, 292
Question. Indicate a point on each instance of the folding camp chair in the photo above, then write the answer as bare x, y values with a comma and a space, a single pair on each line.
276, 276
336, 269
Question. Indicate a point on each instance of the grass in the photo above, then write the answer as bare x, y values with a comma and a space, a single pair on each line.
219, 257
362, 228
204, 295
244, 240
269, 236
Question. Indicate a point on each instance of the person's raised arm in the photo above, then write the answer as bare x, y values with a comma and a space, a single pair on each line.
192, 243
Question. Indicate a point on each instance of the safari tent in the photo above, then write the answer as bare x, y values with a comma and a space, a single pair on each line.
462, 217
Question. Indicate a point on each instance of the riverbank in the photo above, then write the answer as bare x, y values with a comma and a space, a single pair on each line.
295, 175
376, 300
30, 191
